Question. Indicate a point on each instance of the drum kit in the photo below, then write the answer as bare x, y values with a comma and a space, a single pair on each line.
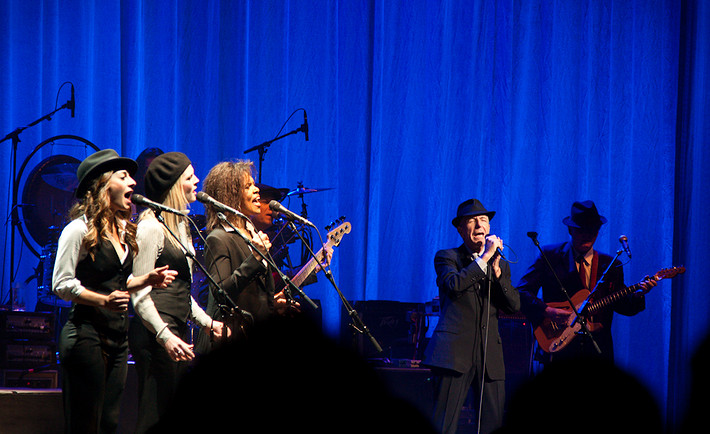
42, 212
48, 194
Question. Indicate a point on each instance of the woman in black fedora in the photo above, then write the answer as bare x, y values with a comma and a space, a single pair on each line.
159, 333
93, 270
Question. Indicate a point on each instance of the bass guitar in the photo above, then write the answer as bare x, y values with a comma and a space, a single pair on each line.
334, 238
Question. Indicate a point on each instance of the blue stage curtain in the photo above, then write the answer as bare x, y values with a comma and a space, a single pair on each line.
413, 107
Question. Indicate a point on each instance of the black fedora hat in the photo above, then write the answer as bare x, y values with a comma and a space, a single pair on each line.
273, 193
100, 162
584, 215
471, 207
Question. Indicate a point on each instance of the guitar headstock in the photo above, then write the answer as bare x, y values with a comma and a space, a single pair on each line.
336, 234
668, 273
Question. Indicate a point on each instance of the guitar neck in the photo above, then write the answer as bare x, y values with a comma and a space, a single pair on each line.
307, 269
610, 299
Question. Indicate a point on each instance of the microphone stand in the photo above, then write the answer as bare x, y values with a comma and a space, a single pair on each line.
263, 147
289, 285
357, 323
15, 137
579, 317
230, 310
583, 306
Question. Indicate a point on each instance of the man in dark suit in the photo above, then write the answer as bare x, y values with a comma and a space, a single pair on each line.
579, 267
465, 350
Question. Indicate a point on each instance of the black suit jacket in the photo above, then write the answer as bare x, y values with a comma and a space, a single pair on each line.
458, 340
561, 258
246, 279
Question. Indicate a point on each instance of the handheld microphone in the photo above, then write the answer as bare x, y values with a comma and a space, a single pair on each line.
499, 252
72, 104
532, 235
625, 244
290, 215
207, 199
155, 206
304, 127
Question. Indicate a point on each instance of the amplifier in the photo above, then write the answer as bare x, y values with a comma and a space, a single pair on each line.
30, 380
26, 325
25, 354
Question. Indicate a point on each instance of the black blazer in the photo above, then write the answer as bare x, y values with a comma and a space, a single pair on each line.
458, 340
246, 279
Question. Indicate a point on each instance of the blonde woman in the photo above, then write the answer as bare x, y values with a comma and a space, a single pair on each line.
159, 333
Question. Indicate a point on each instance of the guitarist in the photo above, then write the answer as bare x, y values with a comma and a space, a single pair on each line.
578, 266
264, 221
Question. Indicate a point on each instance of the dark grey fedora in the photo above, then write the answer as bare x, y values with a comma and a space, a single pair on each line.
471, 207
100, 162
584, 215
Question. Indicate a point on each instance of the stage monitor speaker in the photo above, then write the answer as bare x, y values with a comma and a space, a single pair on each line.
394, 324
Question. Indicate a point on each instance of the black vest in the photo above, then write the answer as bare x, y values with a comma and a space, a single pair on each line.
173, 303
103, 274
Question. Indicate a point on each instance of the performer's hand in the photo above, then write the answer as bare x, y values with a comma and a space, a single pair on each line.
560, 316
496, 266
646, 285
217, 329
178, 350
326, 261
160, 277
117, 301
283, 305
493, 243
262, 243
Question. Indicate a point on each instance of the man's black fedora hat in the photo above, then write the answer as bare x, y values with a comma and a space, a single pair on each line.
471, 207
584, 215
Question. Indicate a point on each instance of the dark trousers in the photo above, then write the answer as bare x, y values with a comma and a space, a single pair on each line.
158, 374
451, 389
94, 375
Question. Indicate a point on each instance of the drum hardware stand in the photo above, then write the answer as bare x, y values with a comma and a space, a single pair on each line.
263, 147
15, 137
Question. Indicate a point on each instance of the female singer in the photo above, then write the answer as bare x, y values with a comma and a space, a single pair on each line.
159, 333
241, 272
93, 270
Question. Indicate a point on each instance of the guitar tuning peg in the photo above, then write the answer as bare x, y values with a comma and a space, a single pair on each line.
342, 218
327, 228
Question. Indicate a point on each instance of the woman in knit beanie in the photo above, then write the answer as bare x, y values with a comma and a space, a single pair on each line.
159, 333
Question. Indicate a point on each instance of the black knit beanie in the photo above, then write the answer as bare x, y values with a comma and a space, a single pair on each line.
162, 173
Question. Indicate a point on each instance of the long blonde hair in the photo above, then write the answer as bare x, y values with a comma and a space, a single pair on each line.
96, 206
225, 183
175, 199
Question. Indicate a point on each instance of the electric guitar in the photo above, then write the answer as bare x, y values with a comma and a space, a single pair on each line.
334, 237
554, 336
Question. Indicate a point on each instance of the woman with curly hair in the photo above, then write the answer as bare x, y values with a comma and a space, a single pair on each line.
239, 269
93, 270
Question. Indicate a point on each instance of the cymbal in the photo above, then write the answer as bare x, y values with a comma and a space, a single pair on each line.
304, 190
